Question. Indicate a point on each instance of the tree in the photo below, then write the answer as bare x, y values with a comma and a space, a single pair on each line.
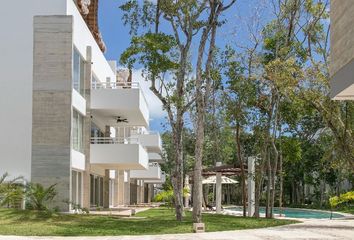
166, 53
240, 100
204, 78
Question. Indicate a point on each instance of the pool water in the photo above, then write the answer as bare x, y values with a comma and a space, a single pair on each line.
297, 213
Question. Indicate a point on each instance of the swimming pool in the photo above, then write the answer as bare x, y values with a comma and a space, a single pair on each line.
296, 213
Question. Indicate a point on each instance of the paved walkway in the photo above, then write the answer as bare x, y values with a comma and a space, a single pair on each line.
309, 229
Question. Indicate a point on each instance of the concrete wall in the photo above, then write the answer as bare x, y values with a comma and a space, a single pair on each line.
342, 34
342, 50
52, 108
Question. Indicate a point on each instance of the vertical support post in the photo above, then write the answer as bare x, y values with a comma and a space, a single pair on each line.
127, 188
142, 199
218, 192
138, 199
149, 195
251, 186
107, 132
115, 191
121, 191
186, 185
106, 189
86, 188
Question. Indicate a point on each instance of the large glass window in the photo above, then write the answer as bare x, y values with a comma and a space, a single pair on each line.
78, 131
78, 73
76, 187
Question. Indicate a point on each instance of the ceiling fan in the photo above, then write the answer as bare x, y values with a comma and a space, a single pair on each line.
121, 120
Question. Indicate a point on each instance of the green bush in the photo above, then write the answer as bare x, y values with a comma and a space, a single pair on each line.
167, 196
343, 199
38, 196
11, 192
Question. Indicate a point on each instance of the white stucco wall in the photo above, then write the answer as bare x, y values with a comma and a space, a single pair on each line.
16, 68
84, 38
16, 71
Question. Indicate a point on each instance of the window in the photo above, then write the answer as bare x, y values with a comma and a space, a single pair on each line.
76, 187
78, 73
77, 131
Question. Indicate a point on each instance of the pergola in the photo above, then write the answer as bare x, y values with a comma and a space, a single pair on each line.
219, 171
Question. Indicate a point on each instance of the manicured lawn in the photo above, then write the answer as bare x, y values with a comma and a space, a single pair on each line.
154, 221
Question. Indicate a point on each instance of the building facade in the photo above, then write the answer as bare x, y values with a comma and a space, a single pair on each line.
342, 50
73, 118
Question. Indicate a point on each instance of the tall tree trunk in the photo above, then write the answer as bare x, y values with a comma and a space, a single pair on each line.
269, 175
177, 177
281, 179
197, 175
276, 153
243, 174
259, 181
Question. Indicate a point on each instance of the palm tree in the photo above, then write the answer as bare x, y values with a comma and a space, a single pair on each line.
38, 196
11, 192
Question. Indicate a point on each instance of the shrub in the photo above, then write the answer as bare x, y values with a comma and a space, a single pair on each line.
38, 196
167, 196
343, 199
11, 192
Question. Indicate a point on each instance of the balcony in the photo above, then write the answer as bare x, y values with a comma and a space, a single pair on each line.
118, 153
151, 141
160, 181
152, 173
155, 157
125, 100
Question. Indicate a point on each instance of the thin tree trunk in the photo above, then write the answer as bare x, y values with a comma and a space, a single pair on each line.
177, 178
259, 182
269, 173
281, 183
197, 176
243, 174
276, 153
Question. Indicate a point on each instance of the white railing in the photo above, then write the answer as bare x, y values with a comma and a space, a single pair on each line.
115, 85
116, 140
136, 131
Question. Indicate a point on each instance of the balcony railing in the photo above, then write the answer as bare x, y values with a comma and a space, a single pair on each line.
136, 131
109, 140
115, 85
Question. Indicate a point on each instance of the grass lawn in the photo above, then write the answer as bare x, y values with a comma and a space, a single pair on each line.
347, 210
153, 221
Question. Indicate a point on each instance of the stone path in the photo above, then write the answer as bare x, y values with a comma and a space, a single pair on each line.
309, 229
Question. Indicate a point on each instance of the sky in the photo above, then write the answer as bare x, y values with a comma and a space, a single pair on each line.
117, 39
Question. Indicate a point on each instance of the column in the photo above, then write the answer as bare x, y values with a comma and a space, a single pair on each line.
107, 132
149, 194
142, 195
251, 186
121, 192
218, 192
127, 188
138, 190
115, 189
86, 188
106, 189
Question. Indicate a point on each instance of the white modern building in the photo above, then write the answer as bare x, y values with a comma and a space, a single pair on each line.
70, 117
342, 50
